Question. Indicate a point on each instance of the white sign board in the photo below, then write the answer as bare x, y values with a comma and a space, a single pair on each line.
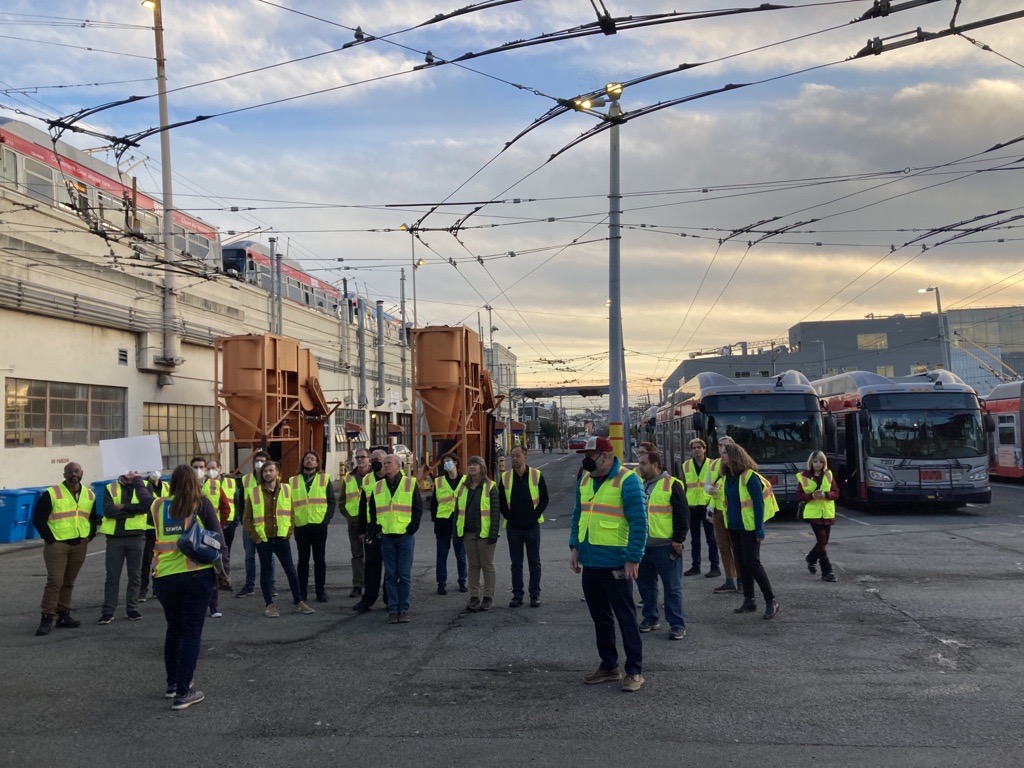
125, 454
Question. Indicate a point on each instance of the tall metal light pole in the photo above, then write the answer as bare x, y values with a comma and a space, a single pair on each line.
942, 324
172, 346
616, 367
413, 437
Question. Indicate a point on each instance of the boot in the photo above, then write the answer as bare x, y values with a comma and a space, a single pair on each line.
826, 571
749, 606
45, 625
771, 610
810, 562
64, 621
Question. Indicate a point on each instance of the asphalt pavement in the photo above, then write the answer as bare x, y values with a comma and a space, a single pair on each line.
914, 658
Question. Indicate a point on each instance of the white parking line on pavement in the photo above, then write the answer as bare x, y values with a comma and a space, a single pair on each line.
851, 519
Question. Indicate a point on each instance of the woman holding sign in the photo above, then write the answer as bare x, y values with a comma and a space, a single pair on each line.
182, 586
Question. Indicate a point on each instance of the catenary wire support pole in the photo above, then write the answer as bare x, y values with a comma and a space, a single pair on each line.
616, 365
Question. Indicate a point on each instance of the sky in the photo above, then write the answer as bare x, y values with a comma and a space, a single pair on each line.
824, 187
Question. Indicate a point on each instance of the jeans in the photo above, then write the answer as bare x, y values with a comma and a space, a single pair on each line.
282, 548
63, 562
397, 552
746, 550
657, 564
121, 550
372, 565
480, 555
699, 521
518, 539
184, 597
445, 542
147, 562
610, 599
312, 540
356, 549
250, 565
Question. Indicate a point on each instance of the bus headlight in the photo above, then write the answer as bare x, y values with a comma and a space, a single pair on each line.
879, 476
978, 475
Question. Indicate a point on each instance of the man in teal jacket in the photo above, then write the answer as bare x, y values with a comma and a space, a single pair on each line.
606, 541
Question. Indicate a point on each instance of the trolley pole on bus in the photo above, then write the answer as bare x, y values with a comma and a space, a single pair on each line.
943, 340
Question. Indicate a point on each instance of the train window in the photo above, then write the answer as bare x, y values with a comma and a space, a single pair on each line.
178, 243
78, 196
149, 224
305, 296
111, 210
198, 246
8, 168
38, 180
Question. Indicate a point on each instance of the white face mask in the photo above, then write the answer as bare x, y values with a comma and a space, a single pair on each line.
258, 465
154, 477
200, 473
449, 465
213, 473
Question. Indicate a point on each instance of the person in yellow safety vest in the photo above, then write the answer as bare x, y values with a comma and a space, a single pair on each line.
214, 493
183, 587
65, 519
394, 508
373, 564
313, 507
667, 523
225, 506
477, 524
245, 485
523, 494
268, 520
818, 493
126, 503
749, 503
157, 489
447, 486
695, 472
607, 537
716, 513
355, 482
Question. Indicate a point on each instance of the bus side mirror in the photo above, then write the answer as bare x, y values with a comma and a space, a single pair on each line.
700, 422
830, 425
990, 423
863, 420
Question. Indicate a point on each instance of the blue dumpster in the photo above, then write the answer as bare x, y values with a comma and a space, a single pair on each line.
99, 488
16, 514
31, 532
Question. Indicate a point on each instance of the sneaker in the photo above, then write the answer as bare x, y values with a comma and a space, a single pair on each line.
677, 634
515, 602
361, 607
392, 618
632, 683
830, 577
473, 605
223, 583
172, 691
486, 604
143, 596
106, 618
728, 586
694, 571
272, 612
535, 602
245, 591
303, 607
45, 625
66, 621
442, 589
403, 618
356, 592
186, 701
714, 573
463, 587
133, 615
812, 567
650, 626
273, 591
215, 614
603, 676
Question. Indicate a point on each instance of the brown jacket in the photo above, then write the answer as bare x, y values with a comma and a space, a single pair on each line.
269, 516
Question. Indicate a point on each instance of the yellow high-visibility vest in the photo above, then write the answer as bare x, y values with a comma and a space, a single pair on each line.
818, 509
284, 511
394, 511
771, 506
659, 509
108, 525
354, 489
696, 496
446, 495
602, 520
167, 559
485, 509
309, 506
534, 483
69, 517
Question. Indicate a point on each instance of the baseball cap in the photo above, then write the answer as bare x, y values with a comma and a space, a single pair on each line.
598, 444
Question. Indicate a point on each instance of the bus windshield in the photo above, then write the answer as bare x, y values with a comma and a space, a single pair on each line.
786, 437
928, 425
926, 434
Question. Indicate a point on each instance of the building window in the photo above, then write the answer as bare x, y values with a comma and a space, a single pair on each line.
741, 375
872, 342
53, 413
184, 430
8, 168
885, 370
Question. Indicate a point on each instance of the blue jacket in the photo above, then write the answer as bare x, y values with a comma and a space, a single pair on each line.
734, 518
634, 507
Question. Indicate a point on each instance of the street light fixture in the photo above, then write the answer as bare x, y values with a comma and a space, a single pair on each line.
942, 323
